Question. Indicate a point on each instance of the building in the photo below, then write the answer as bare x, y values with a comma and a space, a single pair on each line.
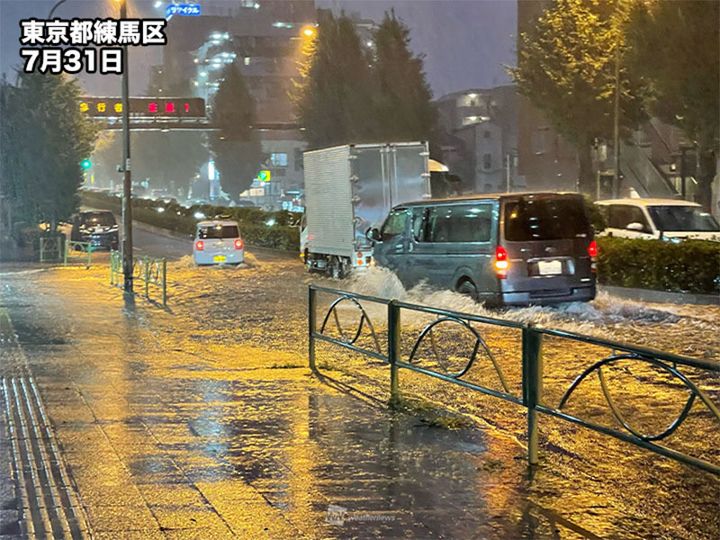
545, 160
264, 39
479, 139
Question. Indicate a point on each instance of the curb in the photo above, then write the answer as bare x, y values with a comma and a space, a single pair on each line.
661, 297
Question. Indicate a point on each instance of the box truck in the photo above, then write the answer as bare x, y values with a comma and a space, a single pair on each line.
348, 190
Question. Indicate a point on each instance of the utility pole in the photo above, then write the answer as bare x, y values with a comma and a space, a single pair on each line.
127, 240
507, 173
616, 125
683, 189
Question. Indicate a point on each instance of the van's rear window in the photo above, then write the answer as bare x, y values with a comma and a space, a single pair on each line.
545, 219
218, 231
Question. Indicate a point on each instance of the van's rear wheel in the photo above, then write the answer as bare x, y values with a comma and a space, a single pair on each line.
467, 288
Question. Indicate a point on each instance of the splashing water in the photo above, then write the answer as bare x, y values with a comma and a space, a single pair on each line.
575, 316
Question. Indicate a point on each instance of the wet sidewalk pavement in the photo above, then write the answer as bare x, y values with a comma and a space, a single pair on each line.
114, 426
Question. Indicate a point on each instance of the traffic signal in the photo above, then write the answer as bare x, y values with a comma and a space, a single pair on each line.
85, 164
264, 176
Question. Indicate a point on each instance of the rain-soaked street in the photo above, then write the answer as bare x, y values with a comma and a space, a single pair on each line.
124, 420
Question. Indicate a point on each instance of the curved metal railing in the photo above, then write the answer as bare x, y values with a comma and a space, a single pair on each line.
667, 364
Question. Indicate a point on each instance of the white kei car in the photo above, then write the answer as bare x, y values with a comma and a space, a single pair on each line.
218, 242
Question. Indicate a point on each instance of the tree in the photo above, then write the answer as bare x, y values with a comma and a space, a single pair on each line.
10, 160
566, 68
45, 137
168, 160
333, 96
404, 98
236, 147
675, 48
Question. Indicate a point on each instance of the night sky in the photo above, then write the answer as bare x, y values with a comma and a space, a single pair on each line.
466, 43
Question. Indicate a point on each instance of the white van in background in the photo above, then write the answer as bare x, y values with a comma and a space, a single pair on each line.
668, 219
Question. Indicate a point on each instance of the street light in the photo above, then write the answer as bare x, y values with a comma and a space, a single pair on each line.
309, 31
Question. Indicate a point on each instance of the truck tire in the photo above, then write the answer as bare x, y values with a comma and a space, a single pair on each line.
336, 268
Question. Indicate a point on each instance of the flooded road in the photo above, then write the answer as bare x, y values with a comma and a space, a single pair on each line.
204, 421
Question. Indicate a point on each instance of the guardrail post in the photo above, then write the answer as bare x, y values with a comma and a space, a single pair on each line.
312, 314
393, 340
146, 265
164, 282
532, 385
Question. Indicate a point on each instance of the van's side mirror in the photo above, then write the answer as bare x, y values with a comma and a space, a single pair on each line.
373, 235
635, 226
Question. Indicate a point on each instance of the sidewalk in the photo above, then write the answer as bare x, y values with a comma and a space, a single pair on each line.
126, 421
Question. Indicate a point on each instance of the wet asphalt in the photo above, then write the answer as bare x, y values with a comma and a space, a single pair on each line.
124, 420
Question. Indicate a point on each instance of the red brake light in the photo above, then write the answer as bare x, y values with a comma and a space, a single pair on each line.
501, 262
199, 245
239, 243
593, 249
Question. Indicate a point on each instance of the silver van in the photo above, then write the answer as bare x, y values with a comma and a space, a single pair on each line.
504, 249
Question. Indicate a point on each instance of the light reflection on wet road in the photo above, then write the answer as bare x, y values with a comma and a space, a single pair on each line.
203, 422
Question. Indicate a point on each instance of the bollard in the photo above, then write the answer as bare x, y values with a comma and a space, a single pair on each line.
146, 265
532, 385
65, 251
311, 328
89, 256
393, 351
164, 282
42, 249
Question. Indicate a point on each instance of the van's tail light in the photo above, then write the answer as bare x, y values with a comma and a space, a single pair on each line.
593, 249
199, 245
501, 262
239, 243
593, 252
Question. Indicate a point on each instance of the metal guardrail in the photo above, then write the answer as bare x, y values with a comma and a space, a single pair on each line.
51, 248
58, 248
71, 248
149, 271
532, 367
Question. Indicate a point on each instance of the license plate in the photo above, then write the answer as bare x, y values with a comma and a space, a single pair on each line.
219, 258
549, 268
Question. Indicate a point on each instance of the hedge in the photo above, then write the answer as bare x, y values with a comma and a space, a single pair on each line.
259, 228
690, 266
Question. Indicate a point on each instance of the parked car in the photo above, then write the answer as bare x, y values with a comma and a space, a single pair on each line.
98, 227
668, 219
218, 242
503, 249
